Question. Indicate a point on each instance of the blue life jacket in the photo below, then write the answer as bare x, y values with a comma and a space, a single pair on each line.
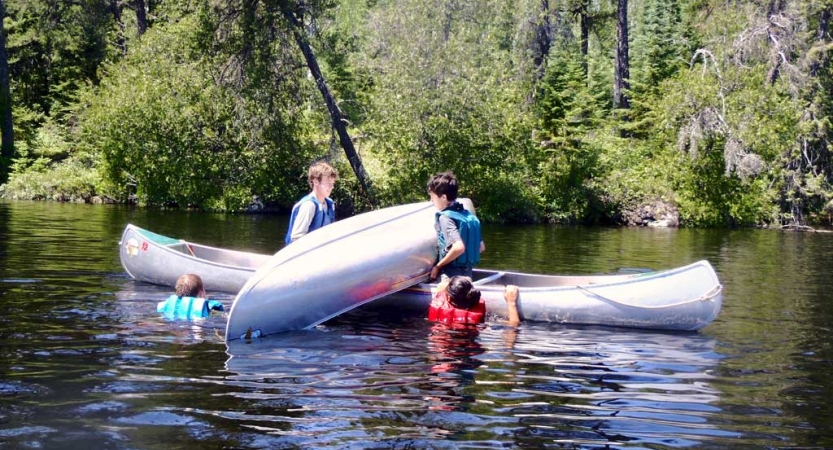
469, 227
187, 307
320, 218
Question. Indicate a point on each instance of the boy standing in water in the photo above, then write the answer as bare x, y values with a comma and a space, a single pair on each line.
458, 231
315, 209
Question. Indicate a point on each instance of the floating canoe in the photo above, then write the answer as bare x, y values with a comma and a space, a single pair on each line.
157, 259
335, 269
685, 298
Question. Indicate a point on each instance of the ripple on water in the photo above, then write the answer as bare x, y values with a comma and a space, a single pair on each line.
82, 343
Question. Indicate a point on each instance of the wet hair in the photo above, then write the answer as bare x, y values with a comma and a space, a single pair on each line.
189, 285
444, 183
319, 171
461, 292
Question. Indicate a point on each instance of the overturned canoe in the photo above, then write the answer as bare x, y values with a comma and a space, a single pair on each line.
335, 269
684, 298
157, 259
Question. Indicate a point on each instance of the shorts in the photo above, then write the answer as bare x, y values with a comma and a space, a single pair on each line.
448, 272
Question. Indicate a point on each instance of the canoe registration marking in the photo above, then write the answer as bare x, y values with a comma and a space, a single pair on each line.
132, 247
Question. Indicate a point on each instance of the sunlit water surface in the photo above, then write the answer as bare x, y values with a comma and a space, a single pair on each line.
86, 362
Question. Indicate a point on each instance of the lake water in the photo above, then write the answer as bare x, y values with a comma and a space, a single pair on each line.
86, 362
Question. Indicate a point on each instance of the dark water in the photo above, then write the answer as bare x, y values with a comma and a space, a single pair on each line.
85, 361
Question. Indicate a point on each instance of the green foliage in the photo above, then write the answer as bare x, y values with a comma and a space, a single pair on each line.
340, 35
71, 180
730, 118
55, 48
506, 198
707, 197
568, 111
445, 98
659, 47
166, 132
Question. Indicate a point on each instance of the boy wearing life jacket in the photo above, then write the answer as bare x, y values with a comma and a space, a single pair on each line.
189, 300
458, 302
315, 209
458, 231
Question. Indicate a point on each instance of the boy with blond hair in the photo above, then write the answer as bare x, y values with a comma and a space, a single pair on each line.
315, 209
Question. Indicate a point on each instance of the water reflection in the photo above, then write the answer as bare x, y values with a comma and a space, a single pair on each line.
541, 383
85, 361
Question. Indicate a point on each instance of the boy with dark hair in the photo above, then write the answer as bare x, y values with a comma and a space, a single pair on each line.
315, 209
457, 301
459, 239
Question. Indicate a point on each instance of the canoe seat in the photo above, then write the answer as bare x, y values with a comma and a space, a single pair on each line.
181, 247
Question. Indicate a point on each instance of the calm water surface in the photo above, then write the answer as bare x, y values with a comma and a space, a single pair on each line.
86, 362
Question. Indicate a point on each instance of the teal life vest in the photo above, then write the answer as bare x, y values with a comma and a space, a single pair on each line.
469, 227
187, 307
320, 218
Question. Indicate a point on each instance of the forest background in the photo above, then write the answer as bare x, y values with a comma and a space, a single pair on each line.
677, 112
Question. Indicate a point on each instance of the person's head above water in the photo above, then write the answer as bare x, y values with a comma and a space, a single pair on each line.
461, 292
190, 285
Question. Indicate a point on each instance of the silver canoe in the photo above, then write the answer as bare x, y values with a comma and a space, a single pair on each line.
157, 259
335, 269
685, 298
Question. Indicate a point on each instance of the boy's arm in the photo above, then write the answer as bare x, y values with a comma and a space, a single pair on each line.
510, 294
306, 211
452, 236
457, 249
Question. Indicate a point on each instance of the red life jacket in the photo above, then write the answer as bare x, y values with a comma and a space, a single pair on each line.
441, 310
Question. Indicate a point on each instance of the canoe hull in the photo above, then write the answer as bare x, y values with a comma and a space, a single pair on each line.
335, 269
686, 298
157, 259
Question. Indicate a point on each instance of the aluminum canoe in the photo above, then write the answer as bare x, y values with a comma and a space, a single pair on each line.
158, 259
684, 298
335, 269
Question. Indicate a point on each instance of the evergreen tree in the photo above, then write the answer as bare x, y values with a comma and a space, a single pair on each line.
567, 112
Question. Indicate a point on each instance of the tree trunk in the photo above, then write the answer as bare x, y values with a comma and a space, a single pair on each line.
585, 38
621, 72
339, 123
543, 40
141, 17
6, 124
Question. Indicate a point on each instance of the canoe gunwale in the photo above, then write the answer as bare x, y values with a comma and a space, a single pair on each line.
612, 280
688, 307
489, 279
708, 296
190, 245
